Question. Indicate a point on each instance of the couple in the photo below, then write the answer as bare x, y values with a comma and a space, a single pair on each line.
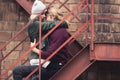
49, 45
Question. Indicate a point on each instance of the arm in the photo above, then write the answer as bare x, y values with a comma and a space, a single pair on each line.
48, 25
33, 31
57, 38
35, 49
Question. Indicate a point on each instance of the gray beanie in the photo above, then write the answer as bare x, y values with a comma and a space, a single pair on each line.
37, 7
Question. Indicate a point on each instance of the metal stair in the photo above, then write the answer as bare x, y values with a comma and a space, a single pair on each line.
76, 66
27, 5
79, 60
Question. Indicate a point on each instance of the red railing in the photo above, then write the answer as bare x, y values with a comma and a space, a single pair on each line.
73, 36
64, 18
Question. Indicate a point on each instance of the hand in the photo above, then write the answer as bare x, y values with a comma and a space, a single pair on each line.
34, 49
33, 43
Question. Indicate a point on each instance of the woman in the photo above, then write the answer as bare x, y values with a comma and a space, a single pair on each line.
56, 38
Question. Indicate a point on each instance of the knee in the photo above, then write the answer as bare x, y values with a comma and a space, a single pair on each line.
16, 70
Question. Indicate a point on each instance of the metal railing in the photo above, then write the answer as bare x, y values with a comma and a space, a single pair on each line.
83, 7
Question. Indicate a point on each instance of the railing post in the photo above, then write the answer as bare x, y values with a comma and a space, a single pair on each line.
0, 61
92, 24
40, 39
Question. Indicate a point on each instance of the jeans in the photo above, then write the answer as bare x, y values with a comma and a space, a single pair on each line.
21, 72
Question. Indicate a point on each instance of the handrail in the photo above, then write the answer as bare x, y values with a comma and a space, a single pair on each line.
13, 48
69, 10
92, 25
20, 31
51, 32
27, 52
66, 42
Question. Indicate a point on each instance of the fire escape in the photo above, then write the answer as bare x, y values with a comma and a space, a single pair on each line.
82, 57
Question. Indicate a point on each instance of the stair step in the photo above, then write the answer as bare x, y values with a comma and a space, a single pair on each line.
76, 66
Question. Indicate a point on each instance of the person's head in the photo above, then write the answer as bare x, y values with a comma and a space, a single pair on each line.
53, 14
37, 8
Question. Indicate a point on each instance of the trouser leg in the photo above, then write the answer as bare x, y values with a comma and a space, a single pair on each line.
20, 72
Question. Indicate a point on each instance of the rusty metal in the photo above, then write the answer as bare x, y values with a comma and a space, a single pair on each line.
107, 52
27, 52
76, 33
16, 62
7, 54
85, 6
40, 39
55, 52
73, 36
70, 11
27, 5
62, 4
65, 17
81, 61
20, 31
11, 39
77, 65
92, 25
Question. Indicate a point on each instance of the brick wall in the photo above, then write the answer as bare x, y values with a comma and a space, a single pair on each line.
13, 18
107, 31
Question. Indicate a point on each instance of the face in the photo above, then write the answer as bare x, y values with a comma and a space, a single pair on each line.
43, 17
50, 17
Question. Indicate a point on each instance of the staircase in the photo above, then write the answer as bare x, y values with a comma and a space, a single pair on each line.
81, 57
75, 67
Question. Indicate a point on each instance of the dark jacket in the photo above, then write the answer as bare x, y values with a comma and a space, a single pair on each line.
33, 30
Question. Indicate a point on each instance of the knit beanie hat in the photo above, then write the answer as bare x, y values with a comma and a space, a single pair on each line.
37, 7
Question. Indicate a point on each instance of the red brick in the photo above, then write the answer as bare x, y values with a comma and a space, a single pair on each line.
13, 44
21, 36
26, 45
4, 36
20, 25
7, 26
13, 56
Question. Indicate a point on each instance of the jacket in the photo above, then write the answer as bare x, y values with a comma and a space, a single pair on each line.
33, 30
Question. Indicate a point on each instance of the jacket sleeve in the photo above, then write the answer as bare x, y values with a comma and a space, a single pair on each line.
33, 31
57, 38
48, 25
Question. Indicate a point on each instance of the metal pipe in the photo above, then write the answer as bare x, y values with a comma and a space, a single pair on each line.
92, 25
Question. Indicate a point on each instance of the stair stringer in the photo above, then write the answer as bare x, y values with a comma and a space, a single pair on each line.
75, 67
27, 5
